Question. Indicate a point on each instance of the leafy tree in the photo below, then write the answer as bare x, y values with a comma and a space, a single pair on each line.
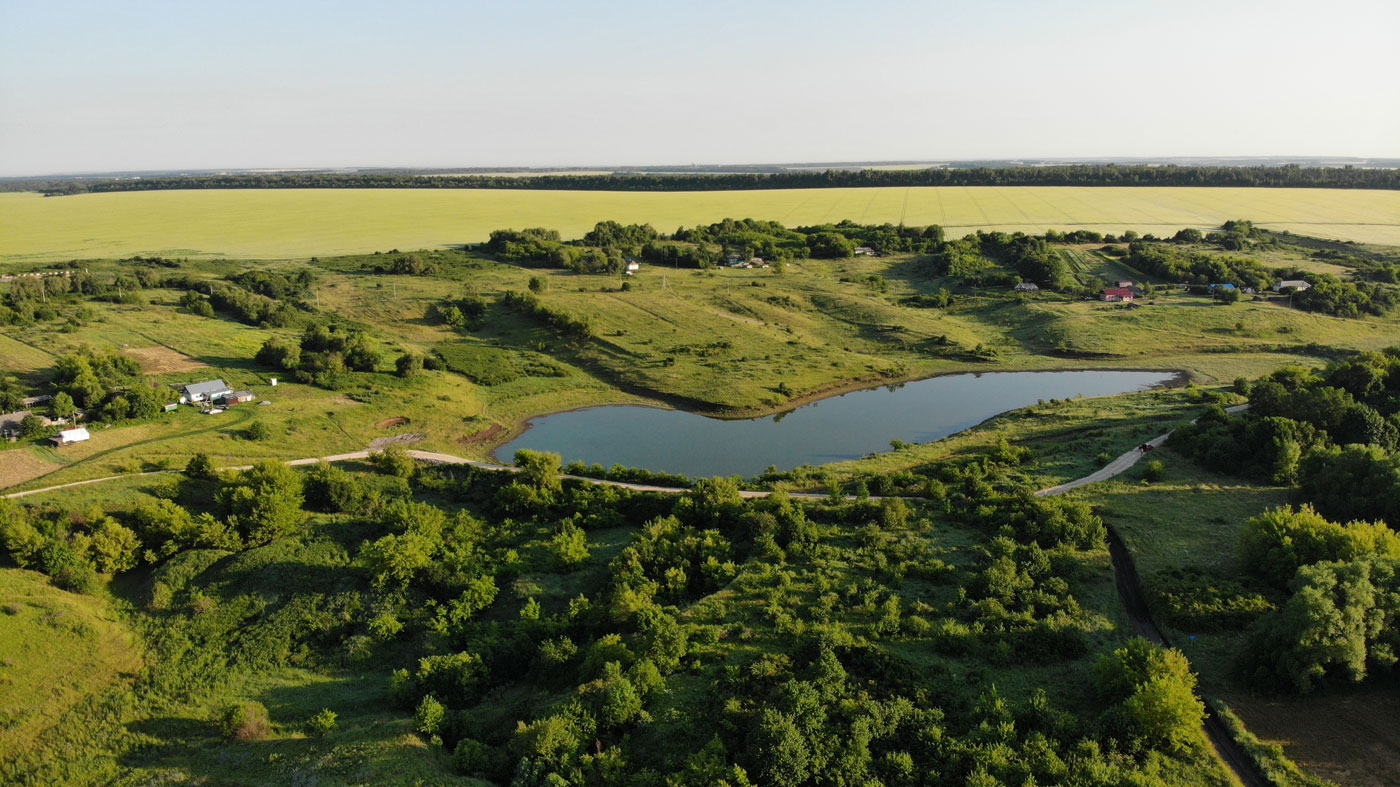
329, 488
408, 365
395, 461
538, 285
323, 723
264, 502
257, 431
429, 716
539, 469
112, 547
1227, 295
396, 559
62, 406
200, 467
569, 547
31, 425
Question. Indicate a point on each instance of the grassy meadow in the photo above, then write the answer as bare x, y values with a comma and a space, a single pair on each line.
305, 222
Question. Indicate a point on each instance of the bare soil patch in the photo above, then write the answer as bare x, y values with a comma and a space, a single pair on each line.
20, 465
1350, 737
484, 436
397, 420
163, 360
380, 443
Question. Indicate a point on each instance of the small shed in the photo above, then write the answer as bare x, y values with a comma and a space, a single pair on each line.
68, 436
862, 251
1026, 286
633, 266
207, 391
238, 397
1296, 284
1126, 283
172, 407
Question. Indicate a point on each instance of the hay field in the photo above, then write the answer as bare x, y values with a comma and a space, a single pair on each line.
306, 222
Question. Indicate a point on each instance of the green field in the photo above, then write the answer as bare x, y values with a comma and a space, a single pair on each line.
301, 223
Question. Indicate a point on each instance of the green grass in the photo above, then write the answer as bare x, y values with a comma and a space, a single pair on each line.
57, 649
305, 222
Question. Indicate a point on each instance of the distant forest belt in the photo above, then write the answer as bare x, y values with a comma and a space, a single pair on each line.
288, 223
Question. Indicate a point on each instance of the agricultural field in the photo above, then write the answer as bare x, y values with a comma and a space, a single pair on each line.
302, 223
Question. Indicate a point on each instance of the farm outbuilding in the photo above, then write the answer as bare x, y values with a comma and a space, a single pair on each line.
238, 397
1026, 286
68, 436
1296, 284
1117, 295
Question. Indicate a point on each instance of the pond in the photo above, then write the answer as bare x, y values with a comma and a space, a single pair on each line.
847, 426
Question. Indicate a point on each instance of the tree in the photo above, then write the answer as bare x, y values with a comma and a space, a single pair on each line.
538, 285
539, 469
323, 723
200, 467
62, 406
1154, 690
569, 547
257, 431
395, 461
1227, 295
396, 559
264, 502
428, 718
112, 547
408, 365
31, 425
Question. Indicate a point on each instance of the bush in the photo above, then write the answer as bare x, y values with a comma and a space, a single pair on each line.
245, 721
429, 716
1154, 471
322, 723
200, 467
257, 431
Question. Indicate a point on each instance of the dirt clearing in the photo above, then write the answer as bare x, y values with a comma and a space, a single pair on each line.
163, 360
397, 420
20, 465
1347, 736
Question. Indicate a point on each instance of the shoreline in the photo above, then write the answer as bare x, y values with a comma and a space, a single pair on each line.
1179, 378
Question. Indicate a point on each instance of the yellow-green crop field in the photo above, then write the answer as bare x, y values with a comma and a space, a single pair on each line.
307, 222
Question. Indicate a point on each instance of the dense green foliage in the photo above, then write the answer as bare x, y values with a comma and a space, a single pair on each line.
543, 631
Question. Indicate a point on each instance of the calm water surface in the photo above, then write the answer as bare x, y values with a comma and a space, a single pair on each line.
848, 426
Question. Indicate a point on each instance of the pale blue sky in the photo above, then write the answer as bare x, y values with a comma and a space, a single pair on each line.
101, 86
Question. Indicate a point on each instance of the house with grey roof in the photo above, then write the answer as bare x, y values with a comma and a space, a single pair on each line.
207, 391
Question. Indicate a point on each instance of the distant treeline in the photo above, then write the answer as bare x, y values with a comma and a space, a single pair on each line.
1071, 175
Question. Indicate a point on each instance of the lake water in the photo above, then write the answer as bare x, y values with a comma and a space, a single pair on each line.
847, 426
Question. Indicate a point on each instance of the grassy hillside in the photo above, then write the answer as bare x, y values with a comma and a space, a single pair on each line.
57, 651
301, 223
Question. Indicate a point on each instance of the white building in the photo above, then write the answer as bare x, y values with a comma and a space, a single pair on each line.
67, 436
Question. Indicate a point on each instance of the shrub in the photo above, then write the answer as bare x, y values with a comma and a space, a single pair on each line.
429, 716
322, 723
1154, 471
245, 721
200, 467
257, 431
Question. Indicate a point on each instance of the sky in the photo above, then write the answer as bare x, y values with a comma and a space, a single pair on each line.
136, 85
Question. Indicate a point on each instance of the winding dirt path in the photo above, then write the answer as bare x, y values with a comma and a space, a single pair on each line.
1129, 585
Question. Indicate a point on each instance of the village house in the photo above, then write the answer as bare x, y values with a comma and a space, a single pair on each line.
207, 391
1117, 295
1026, 286
632, 267
69, 436
1296, 284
